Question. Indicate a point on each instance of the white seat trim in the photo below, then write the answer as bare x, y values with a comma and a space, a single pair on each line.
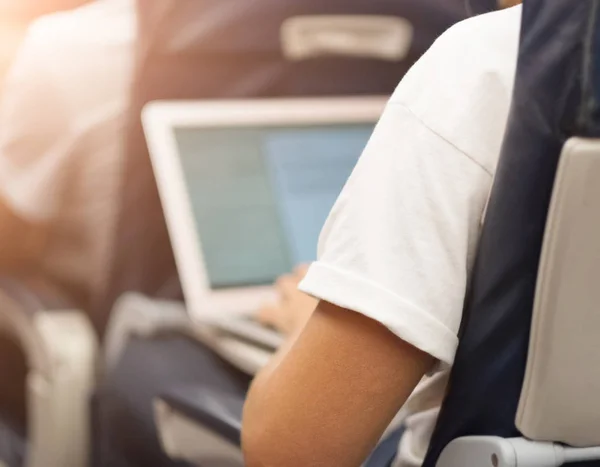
358, 36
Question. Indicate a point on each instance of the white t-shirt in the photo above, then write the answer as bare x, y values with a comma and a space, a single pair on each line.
399, 243
61, 115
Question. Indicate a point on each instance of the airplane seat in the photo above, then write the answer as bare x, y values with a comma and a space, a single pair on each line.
47, 373
523, 388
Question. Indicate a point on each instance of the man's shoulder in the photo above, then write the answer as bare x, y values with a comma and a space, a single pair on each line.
469, 50
462, 87
488, 27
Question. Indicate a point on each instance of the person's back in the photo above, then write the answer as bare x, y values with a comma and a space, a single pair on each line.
60, 137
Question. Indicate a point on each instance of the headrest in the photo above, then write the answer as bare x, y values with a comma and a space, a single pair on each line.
234, 26
358, 36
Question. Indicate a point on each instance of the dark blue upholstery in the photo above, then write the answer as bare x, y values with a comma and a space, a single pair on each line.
12, 445
210, 407
477, 7
168, 365
554, 98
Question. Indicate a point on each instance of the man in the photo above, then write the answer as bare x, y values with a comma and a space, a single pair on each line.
60, 118
393, 265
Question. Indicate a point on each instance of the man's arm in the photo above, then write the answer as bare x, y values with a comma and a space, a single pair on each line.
317, 403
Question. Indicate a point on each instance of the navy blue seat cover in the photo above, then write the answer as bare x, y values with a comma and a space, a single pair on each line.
555, 97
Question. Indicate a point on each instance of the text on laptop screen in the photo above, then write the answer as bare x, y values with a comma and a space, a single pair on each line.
260, 196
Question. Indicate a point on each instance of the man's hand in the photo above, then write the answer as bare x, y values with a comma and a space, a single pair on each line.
293, 309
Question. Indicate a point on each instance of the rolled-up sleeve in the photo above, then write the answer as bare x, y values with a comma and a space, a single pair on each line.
398, 242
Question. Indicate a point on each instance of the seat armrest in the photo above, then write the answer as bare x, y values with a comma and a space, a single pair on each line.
478, 451
197, 424
222, 413
137, 315
13, 445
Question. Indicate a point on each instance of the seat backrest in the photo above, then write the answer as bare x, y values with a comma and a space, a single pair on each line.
241, 49
554, 98
559, 399
478, 7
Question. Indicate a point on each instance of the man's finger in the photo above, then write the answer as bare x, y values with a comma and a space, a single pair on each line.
285, 283
268, 314
287, 288
301, 270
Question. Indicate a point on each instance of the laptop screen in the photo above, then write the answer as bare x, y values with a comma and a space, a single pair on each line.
260, 196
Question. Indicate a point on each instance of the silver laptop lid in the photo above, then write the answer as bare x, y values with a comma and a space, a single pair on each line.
255, 192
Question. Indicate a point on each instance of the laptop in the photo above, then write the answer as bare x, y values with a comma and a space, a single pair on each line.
246, 187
